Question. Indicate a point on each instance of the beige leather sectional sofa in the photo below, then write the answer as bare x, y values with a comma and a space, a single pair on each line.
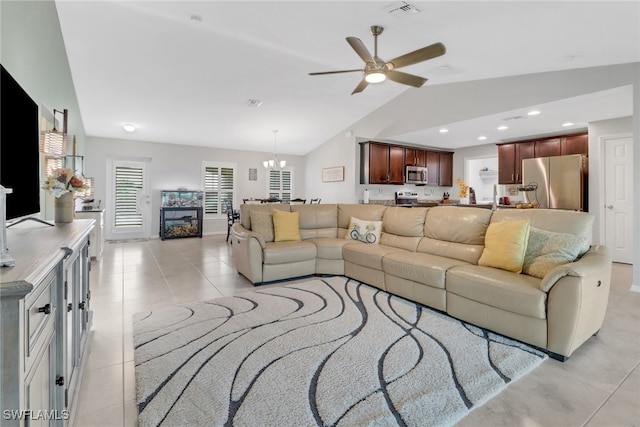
430, 255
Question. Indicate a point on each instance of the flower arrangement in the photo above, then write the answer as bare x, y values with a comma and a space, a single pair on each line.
63, 181
464, 188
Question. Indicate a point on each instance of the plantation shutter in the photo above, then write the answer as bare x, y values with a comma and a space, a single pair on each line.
280, 185
128, 184
218, 189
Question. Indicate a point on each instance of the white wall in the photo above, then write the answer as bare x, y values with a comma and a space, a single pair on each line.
174, 166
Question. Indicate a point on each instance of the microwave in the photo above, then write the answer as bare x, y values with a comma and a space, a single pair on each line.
416, 175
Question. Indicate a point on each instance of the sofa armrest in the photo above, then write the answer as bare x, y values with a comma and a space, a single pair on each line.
577, 300
247, 248
242, 233
591, 263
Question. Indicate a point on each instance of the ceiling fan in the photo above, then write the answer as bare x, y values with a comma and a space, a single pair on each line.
376, 70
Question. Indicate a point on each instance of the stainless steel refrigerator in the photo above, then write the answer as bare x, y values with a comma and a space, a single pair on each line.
561, 181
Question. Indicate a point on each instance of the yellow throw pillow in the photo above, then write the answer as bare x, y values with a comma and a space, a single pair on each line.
505, 244
286, 226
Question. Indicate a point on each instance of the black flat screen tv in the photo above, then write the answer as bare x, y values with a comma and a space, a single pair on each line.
19, 140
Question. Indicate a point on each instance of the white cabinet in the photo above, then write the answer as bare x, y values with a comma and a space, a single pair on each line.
97, 235
45, 320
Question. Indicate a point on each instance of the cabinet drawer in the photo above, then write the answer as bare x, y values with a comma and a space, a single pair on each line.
40, 310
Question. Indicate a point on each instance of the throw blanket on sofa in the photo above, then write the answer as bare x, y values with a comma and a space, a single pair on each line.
323, 352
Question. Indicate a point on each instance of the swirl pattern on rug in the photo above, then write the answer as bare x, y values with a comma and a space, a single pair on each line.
326, 352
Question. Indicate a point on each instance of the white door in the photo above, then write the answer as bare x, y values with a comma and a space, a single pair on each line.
130, 203
618, 196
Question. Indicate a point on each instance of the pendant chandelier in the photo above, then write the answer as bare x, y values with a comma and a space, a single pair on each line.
274, 163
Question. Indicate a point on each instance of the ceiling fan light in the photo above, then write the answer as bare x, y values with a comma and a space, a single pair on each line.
283, 163
375, 76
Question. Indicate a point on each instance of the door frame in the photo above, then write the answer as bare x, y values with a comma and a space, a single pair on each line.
602, 187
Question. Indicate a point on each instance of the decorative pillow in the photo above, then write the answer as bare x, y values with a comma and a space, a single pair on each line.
262, 224
505, 244
365, 231
547, 250
286, 226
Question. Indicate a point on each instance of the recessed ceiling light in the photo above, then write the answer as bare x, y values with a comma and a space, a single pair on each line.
444, 130
482, 138
533, 113
565, 124
503, 127
129, 128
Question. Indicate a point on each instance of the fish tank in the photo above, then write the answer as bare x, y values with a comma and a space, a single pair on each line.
181, 198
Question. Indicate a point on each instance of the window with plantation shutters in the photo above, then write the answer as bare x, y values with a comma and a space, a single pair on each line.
51, 164
219, 187
128, 185
280, 185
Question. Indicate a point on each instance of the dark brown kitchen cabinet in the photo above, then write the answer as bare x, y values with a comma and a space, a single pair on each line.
439, 168
381, 164
575, 144
548, 147
510, 157
414, 157
445, 175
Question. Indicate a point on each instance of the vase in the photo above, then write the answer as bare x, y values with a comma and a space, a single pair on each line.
63, 211
464, 200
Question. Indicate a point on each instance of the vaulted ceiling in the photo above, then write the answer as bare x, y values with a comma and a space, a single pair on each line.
188, 72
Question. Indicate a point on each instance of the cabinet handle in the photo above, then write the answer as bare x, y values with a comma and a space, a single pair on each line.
512, 178
60, 381
81, 305
46, 309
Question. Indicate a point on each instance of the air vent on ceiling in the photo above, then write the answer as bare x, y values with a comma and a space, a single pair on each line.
254, 103
401, 8
506, 119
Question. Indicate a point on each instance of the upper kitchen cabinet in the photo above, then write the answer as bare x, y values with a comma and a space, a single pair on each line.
575, 144
548, 147
445, 174
415, 157
381, 163
510, 157
439, 168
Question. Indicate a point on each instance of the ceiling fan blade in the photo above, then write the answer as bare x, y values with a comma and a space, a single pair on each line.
334, 72
406, 79
428, 52
363, 84
360, 49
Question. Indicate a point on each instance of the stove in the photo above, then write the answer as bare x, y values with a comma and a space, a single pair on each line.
406, 198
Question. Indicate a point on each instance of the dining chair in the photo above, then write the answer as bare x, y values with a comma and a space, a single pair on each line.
315, 201
298, 201
272, 200
233, 215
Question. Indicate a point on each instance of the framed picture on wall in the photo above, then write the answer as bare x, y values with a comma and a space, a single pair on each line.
253, 174
333, 174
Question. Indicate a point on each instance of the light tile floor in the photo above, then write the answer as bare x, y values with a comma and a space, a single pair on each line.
598, 386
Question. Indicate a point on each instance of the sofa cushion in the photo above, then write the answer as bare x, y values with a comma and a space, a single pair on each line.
365, 212
505, 245
367, 255
262, 224
455, 232
404, 221
418, 267
286, 226
517, 293
317, 220
247, 209
328, 248
557, 220
286, 252
364, 231
547, 250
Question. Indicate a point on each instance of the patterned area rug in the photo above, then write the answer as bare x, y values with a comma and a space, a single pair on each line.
324, 352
